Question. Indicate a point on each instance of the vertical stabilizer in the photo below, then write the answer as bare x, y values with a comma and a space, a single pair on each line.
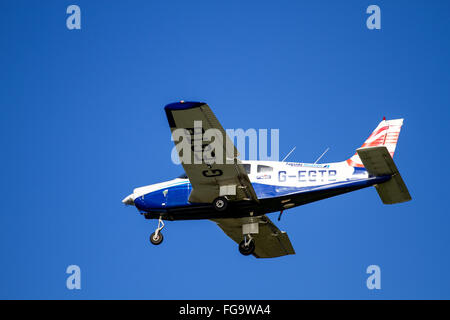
385, 134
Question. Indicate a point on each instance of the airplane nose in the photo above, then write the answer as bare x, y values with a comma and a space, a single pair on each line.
129, 200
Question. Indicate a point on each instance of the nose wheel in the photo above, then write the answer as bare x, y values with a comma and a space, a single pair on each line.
247, 246
157, 237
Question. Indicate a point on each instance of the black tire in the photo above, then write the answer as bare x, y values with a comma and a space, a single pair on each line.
220, 204
247, 250
158, 240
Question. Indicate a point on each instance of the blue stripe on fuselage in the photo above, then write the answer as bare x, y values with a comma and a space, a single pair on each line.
178, 194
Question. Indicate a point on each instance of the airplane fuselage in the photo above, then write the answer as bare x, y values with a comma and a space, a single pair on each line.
278, 186
237, 195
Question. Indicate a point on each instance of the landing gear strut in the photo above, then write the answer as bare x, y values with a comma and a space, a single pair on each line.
157, 237
247, 246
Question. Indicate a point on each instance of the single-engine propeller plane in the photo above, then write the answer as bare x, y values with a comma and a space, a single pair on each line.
237, 194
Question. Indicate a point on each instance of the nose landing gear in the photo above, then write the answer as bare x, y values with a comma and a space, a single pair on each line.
157, 237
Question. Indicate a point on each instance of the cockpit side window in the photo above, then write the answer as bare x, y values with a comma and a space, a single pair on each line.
247, 168
262, 168
183, 176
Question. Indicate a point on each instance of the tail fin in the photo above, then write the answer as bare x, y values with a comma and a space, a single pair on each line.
385, 134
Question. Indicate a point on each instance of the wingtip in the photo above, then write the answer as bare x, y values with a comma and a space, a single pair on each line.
183, 105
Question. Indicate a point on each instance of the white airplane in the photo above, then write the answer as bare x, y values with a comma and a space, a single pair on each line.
237, 194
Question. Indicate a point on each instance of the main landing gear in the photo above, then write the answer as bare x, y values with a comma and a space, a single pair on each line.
157, 237
247, 246
251, 227
220, 203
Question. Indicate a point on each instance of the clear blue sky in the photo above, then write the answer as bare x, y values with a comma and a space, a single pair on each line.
83, 124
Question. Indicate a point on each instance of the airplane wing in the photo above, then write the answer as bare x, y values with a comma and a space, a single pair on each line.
212, 173
270, 242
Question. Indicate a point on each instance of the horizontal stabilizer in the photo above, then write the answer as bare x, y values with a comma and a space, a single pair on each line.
378, 162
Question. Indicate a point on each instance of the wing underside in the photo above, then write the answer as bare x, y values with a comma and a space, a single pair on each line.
270, 242
214, 171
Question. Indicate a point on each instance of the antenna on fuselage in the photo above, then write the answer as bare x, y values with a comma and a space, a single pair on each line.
288, 154
322, 155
